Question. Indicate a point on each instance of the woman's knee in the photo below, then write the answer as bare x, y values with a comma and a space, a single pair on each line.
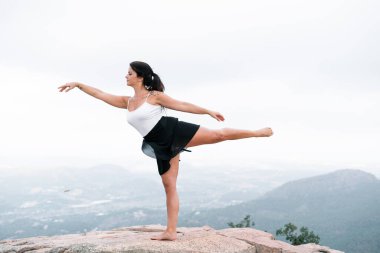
217, 135
221, 134
170, 184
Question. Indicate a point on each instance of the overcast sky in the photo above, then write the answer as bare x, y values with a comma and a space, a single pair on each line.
308, 69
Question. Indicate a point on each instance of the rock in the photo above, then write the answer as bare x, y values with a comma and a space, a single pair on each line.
136, 239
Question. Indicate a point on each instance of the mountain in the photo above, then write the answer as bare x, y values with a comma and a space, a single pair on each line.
342, 207
51, 201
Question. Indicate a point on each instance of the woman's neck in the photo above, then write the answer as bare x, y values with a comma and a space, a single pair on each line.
139, 93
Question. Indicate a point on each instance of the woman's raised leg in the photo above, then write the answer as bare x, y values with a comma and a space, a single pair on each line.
210, 136
169, 180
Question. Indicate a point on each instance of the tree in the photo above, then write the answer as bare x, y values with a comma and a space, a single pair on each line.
246, 222
294, 238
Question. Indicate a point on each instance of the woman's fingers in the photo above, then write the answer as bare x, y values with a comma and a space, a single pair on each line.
66, 87
62, 86
217, 116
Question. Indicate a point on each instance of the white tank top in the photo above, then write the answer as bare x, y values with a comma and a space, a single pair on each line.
145, 117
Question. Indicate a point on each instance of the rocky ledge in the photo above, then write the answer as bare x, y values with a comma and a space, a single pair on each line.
137, 239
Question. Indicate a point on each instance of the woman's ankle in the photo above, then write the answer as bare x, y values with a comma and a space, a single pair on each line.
171, 230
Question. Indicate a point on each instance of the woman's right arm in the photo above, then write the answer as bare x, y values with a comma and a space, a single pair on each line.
117, 101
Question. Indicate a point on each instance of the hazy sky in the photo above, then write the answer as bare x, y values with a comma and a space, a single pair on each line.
308, 69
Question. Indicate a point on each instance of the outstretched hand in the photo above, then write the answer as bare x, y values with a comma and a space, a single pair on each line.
68, 86
216, 115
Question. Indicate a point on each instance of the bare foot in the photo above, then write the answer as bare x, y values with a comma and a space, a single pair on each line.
264, 132
170, 236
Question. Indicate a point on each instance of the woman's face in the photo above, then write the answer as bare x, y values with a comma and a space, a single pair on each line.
132, 78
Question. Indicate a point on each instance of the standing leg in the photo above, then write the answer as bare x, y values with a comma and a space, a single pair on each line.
169, 180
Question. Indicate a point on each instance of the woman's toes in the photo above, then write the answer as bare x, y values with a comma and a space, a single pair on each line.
264, 132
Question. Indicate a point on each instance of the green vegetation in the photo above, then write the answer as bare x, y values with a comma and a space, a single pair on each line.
294, 238
246, 222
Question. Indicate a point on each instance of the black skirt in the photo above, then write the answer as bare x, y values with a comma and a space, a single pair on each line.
168, 138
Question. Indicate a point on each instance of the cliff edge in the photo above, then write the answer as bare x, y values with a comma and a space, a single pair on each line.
137, 239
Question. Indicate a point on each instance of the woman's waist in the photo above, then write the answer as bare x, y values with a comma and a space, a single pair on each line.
165, 125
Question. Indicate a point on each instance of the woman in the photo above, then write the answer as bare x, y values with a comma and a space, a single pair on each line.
164, 137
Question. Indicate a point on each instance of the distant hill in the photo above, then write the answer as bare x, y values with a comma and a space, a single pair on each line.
40, 202
342, 207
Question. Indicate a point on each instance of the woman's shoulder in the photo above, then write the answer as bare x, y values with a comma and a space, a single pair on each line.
155, 92
155, 95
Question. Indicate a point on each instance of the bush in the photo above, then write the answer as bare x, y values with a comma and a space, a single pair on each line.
246, 222
294, 238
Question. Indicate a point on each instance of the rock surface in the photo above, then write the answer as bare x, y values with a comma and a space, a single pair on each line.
137, 239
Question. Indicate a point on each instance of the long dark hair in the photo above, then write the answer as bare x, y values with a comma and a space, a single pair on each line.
151, 80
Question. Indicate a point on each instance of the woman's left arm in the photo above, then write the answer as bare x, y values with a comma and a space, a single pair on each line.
171, 103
